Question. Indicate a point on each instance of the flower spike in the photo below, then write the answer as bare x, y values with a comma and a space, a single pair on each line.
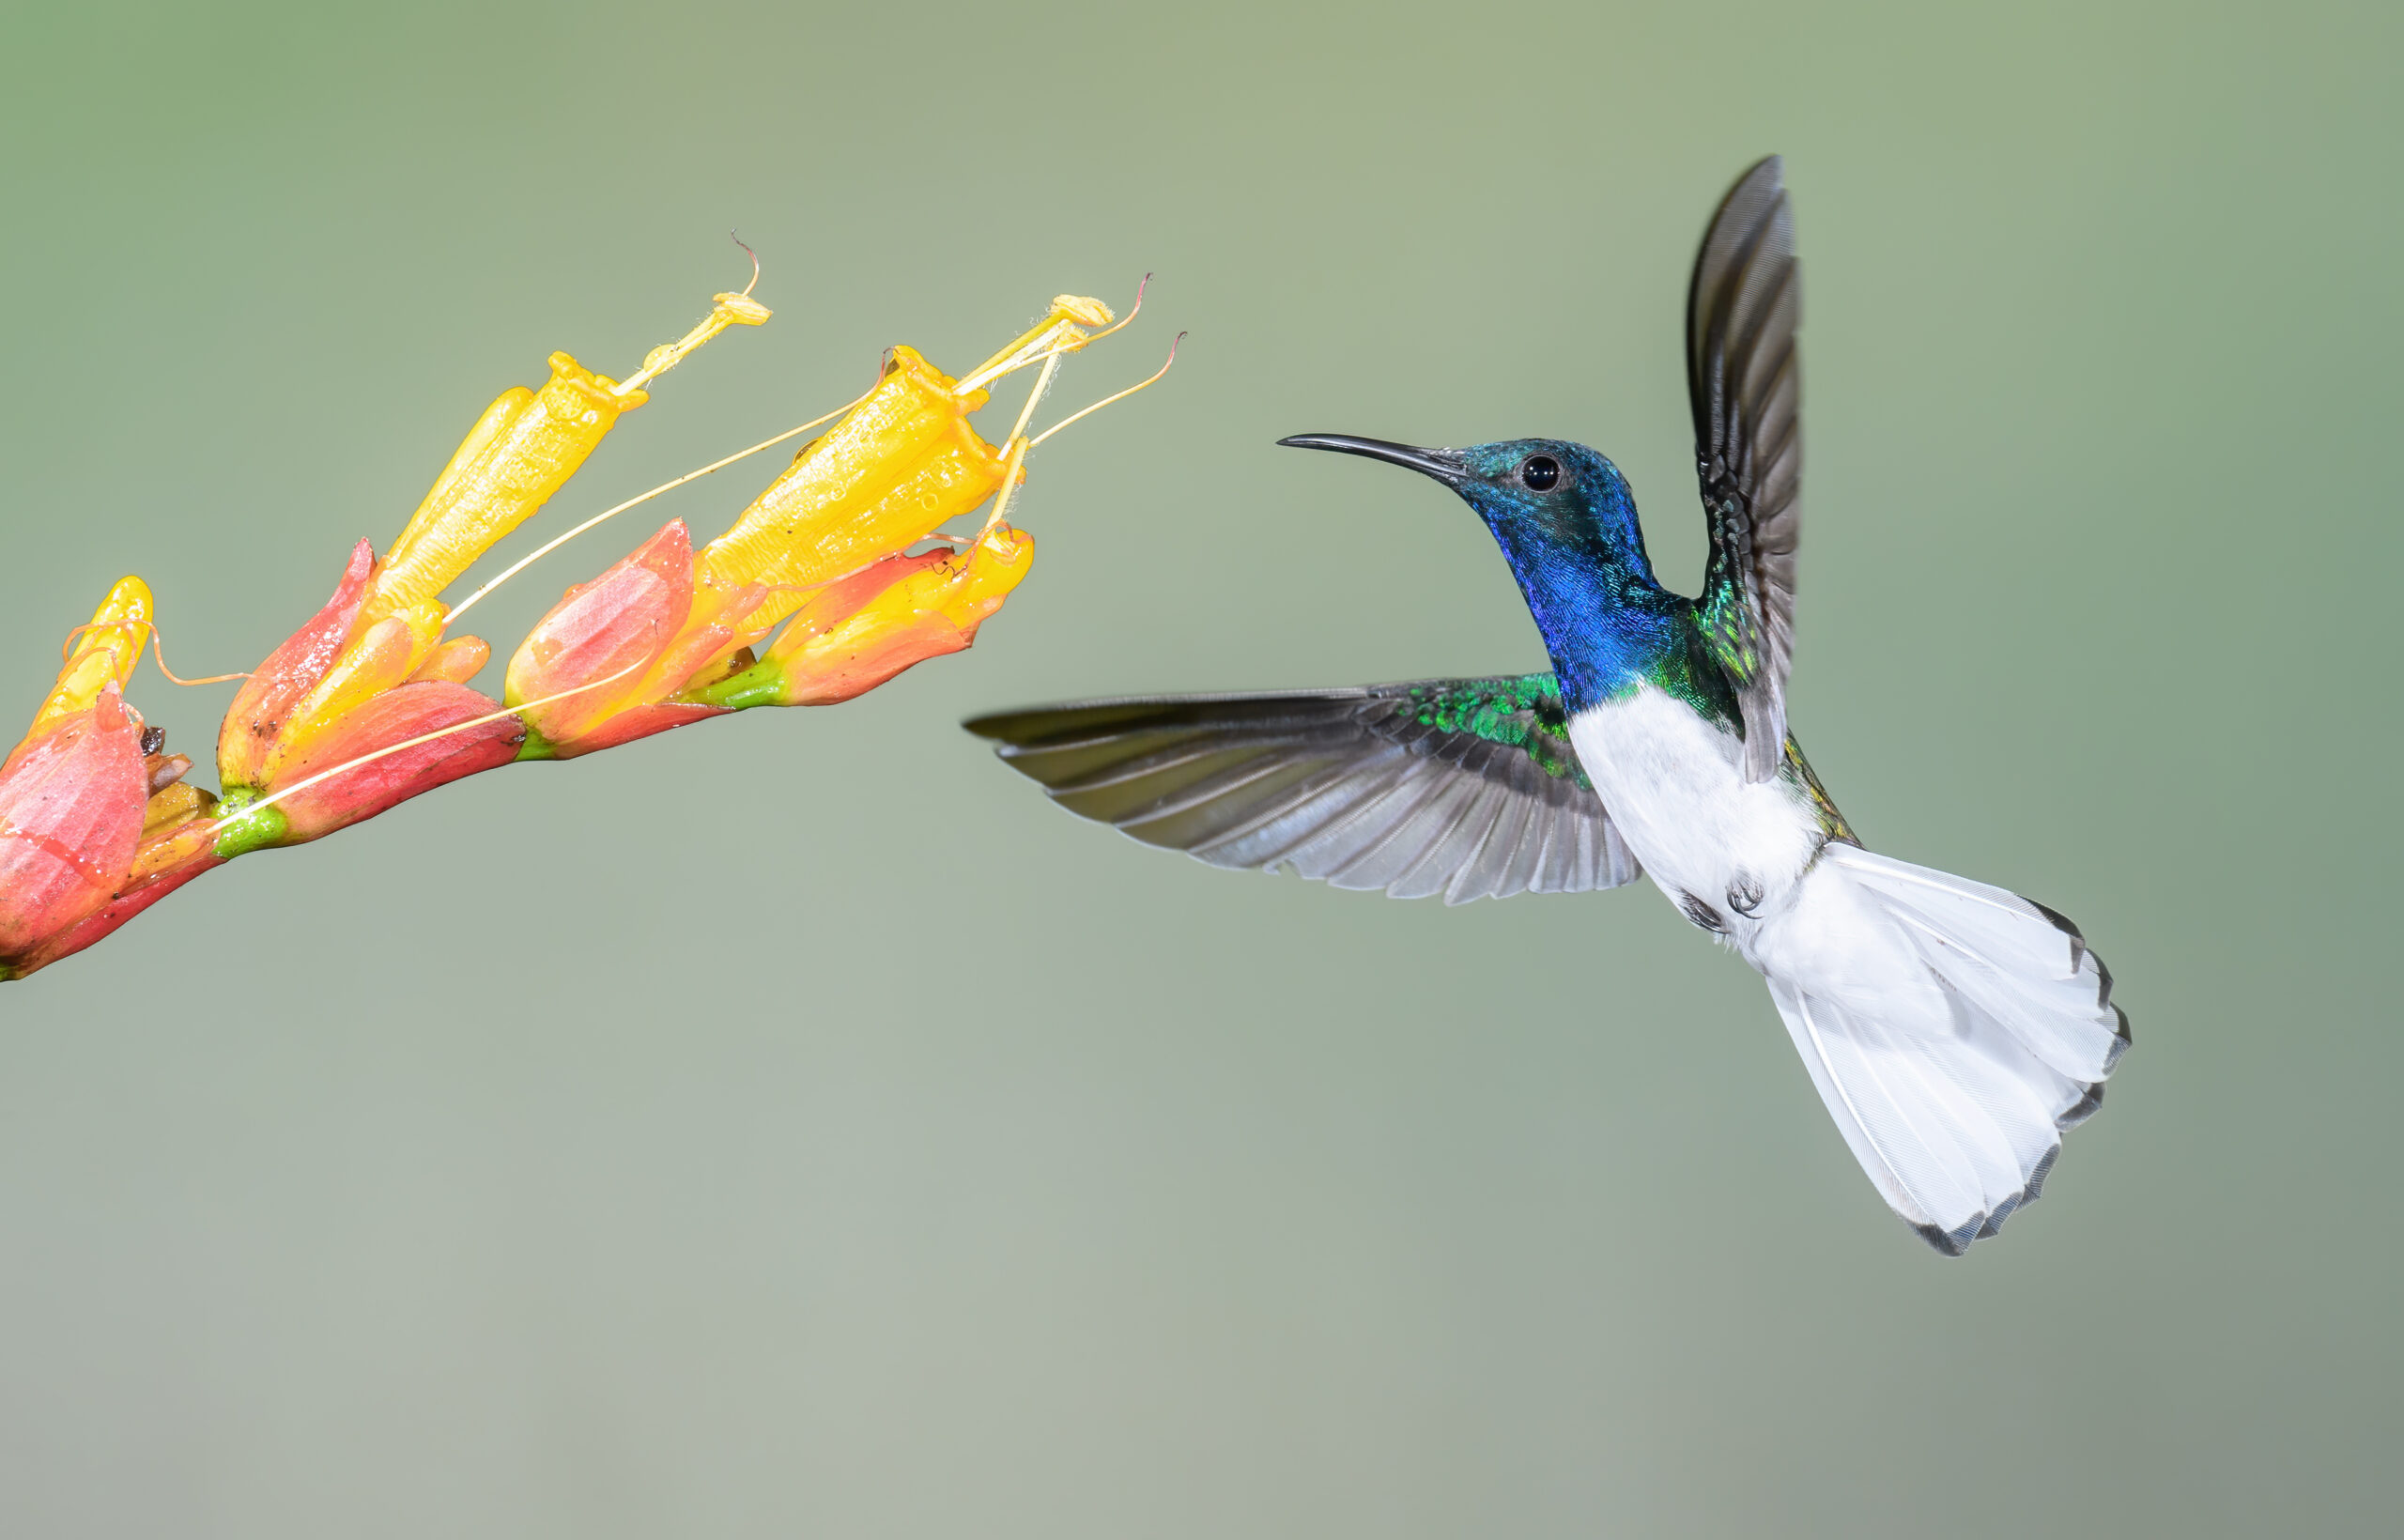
371, 702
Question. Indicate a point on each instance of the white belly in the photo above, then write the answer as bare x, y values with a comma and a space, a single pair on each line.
1675, 787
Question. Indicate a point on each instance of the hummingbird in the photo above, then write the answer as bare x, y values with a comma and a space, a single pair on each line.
1953, 1030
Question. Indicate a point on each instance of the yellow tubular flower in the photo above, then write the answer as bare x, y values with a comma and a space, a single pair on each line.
524, 448
106, 650
896, 467
901, 464
852, 635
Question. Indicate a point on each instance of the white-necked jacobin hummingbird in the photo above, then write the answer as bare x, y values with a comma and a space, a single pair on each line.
1953, 1030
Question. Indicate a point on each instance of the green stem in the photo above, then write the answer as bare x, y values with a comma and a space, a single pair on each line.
239, 833
760, 685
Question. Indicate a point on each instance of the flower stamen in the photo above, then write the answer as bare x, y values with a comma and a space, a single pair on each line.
1021, 446
1108, 399
66, 654
1068, 311
1010, 468
159, 658
755, 262
727, 310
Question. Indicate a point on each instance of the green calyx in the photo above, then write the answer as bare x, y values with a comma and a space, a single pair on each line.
240, 831
760, 685
535, 745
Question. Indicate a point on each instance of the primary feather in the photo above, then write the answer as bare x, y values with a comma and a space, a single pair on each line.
1743, 384
1463, 787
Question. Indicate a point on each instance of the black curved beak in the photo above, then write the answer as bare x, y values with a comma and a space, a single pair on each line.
1443, 463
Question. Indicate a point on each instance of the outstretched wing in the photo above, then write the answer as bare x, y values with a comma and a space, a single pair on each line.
1463, 787
1743, 378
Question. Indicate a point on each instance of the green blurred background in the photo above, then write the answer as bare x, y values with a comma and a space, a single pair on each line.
797, 1127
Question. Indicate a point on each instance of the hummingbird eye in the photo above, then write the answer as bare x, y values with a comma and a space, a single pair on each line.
1540, 472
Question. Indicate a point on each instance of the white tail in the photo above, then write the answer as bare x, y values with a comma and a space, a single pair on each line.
1953, 1028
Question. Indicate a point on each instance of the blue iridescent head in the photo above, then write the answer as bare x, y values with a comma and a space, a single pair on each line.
1567, 525
1546, 500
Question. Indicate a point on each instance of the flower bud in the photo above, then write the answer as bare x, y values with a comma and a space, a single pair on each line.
71, 816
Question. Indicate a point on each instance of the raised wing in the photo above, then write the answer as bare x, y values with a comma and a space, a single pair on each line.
1743, 378
1463, 787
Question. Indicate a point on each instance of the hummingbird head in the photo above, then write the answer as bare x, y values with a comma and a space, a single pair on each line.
1548, 503
1567, 524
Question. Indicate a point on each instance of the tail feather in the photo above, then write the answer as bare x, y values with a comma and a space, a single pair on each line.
1953, 1074
2039, 983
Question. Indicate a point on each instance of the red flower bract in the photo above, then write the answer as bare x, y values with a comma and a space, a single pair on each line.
289, 723
71, 816
367, 789
262, 708
611, 653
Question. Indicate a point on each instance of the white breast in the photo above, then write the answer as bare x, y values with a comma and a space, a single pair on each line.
1674, 785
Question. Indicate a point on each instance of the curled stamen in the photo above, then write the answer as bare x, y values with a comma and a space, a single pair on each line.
1020, 445
67, 646
557, 541
307, 781
159, 658
755, 262
1108, 399
67, 649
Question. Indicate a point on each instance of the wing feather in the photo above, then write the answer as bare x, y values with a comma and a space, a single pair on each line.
1744, 381
1464, 788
